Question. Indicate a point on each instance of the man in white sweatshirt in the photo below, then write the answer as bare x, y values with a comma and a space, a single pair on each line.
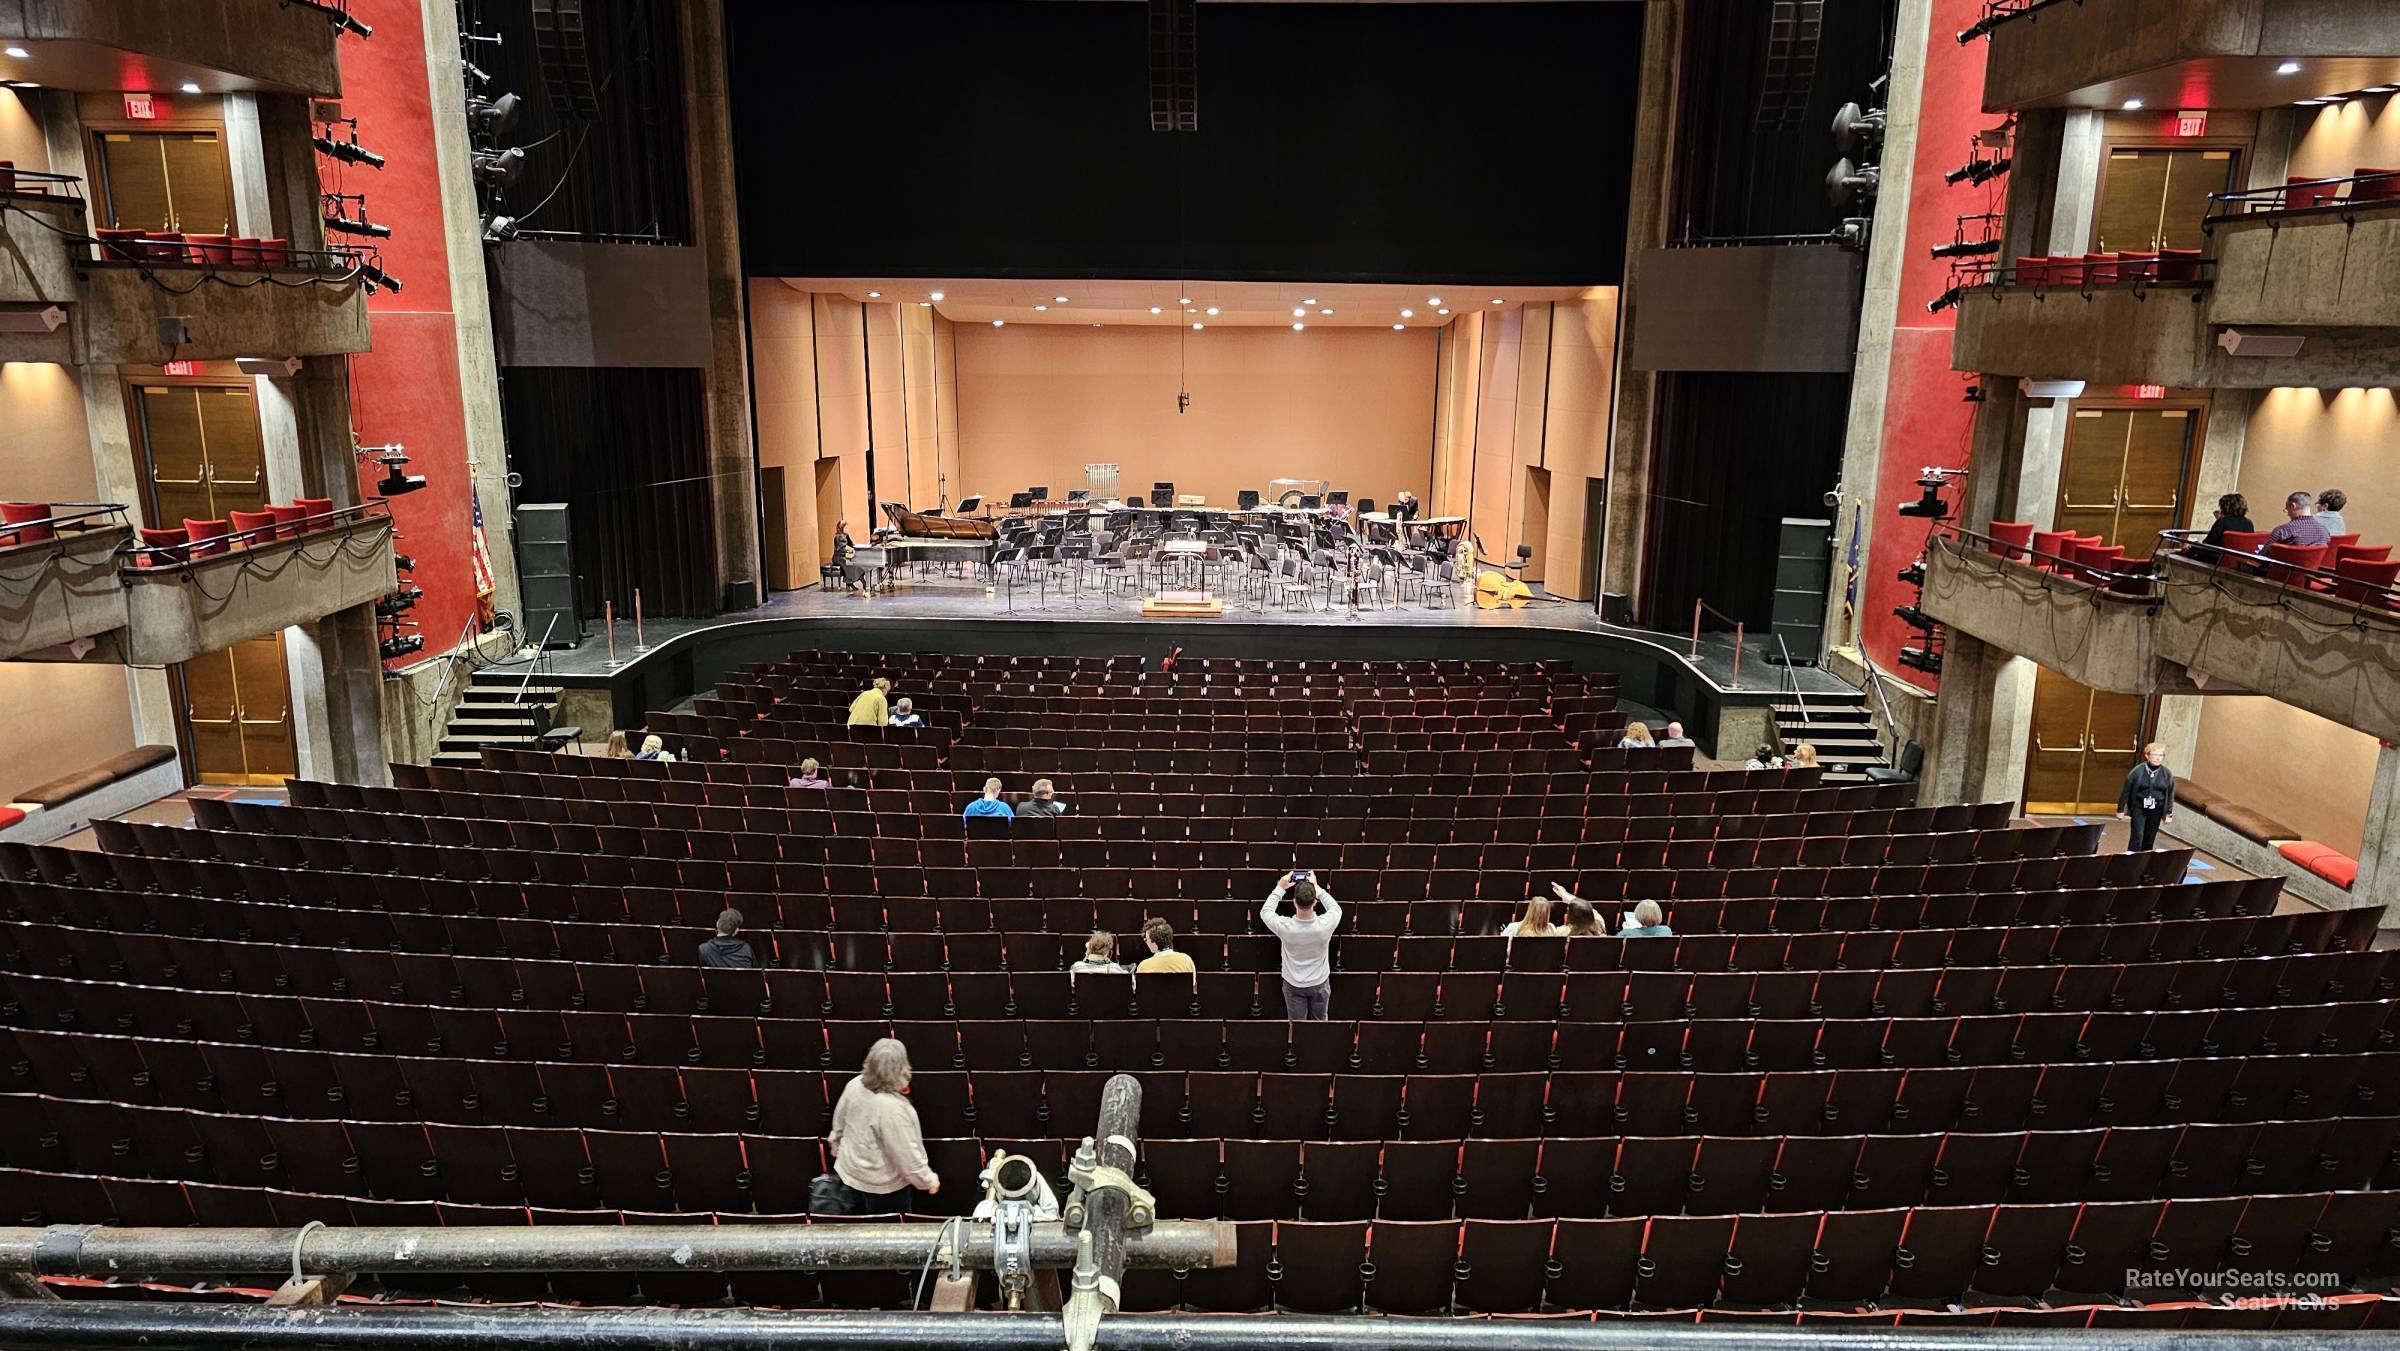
1307, 936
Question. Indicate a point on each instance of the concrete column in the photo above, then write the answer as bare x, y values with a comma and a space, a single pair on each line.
1977, 746
2034, 494
470, 299
2271, 147
2221, 441
2081, 143
716, 225
352, 697
1628, 469
1862, 446
1995, 457
279, 435
245, 158
288, 164
325, 458
2032, 180
2379, 849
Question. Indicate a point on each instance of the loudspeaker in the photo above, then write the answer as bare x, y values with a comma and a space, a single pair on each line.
1803, 569
546, 573
741, 596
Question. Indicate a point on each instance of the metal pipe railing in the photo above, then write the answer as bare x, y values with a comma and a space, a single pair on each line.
2373, 596
2318, 193
12, 183
167, 557
2122, 581
77, 516
2137, 274
113, 1325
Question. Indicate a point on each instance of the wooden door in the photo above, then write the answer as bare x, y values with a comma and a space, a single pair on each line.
165, 180
2155, 197
1536, 530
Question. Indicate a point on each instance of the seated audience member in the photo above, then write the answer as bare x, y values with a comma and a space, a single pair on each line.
872, 707
1764, 758
727, 948
2233, 513
2329, 511
1159, 937
1804, 756
904, 714
1583, 919
618, 748
989, 804
1675, 736
655, 748
1646, 921
810, 775
1042, 801
2303, 529
1307, 938
1637, 737
1535, 923
1099, 956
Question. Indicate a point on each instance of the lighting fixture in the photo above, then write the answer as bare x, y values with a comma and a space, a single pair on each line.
502, 168
924, 304
1058, 300
1397, 327
1156, 310
935, 296
1297, 327
2132, 104
1408, 314
1433, 300
493, 116
1212, 310
1038, 309
1495, 300
24, 84
2287, 68
190, 88
501, 230
1441, 311
874, 295
1297, 312
1197, 327
1310, 301
999, 323
1325, 311
19, 52
1185, 301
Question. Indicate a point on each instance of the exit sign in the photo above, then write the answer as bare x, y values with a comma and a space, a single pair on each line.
140, 108
2149, 391
179, 368
2191, 123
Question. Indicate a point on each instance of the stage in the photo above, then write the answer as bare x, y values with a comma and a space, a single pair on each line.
1656, 671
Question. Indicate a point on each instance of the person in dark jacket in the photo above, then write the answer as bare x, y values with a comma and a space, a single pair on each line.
726, 949
2233, 513
2148, 799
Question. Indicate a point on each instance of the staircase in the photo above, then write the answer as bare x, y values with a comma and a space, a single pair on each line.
497, 708
1842, 729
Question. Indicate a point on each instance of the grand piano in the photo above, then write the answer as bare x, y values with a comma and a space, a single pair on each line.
931, 536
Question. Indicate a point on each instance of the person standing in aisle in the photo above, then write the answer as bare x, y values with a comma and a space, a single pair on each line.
1307, 938
2148, 798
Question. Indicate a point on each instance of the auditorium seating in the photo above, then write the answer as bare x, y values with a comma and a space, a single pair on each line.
1896, 1062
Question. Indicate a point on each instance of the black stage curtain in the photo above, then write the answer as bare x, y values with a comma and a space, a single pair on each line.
618, 176
1737, 178
1737, 452
627, 450
1336, 142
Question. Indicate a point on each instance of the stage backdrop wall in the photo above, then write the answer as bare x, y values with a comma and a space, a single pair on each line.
1037, 402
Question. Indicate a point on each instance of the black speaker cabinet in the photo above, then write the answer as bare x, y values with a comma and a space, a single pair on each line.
1803, 569
546, 574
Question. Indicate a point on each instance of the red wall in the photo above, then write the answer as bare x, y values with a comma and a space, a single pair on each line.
1925, 418
406, 388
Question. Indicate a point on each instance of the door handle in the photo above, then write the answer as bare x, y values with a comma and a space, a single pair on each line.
2072, 505
2045, 747
2149, 506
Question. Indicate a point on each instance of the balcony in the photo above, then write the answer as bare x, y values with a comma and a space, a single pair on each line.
2178, 53
2316, 253
2316, 639
58, 578
2044, 609
139, 299
181, 601
42, 218
224, 46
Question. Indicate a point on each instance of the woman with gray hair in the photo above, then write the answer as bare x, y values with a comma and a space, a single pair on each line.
878, 1148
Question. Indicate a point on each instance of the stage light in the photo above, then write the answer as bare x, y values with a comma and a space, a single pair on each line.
1156, 310
1297, 312
2132, 105
492, 116
399, 646
502, 168
349, 152
361, 226
2287, 68
392, 457
1917, 658
1914, 617
1945, 300
1914, 573
376, 278
19, 52
1297, 327
1965, 248
1854, 127
1408, 314
501, 230
935, 296
1058, 300
1846, 182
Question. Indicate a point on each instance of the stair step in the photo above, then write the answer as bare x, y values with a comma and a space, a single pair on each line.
492, 697
475, 743
465, 759
481, 729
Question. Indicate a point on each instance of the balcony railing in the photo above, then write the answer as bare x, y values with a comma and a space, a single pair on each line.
190, 597
2306, 198
58, 576
2090, 272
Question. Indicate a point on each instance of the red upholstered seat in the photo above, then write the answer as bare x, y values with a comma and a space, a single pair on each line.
2179, 264
2098, 561
2343, 553
207, 537
2066, 269
216, 249
2133, 266
244, 522
2290, 563
314, 510
2100, 269
2034, 271
2322, 859
2375, 185
274, 253
2050, 546
169, 541
164, 246
288, 516
119, 245
2241, 542
2009, 538
2355, 576
9, 816
18, 514
2299, 194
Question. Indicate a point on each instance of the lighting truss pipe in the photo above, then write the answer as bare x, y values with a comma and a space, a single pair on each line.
98, 1250
109, 1325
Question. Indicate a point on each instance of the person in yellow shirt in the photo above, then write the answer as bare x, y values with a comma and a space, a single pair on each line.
1160, 937
872, 708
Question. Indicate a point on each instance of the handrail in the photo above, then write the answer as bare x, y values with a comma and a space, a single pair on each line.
1875, 679
2120, 581
1998, 12
72, 520
2137, 274
9, 179
156, 558
2272, 200
2372, 595
1791, 677
541, 652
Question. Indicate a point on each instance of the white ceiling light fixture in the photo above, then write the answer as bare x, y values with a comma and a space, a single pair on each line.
1297, 327
1197, 327
1327, 310
1185, 301
874, 295
1496, 300
1212, 310
924, 304
1310, 301
1408, 314
999, 323
1156, 310
1433, 300
190, 88
1441, 311
19, 52
1397, 327
2288, 68
1298, 312
937, 295
1040, 308
1058, 300
2132, 105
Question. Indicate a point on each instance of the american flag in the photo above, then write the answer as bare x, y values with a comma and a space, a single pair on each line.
1849, 589
486, 614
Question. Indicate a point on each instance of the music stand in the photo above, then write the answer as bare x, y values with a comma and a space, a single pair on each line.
1311, 502
1040, 492
969, 505
1020, 501
1162, 494
1075, 495
1339, 497
1246, 499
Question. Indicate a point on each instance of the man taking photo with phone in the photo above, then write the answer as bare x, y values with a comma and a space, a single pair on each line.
1307, 938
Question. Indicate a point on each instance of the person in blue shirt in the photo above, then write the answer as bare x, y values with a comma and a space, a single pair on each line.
1648, 920
989, 804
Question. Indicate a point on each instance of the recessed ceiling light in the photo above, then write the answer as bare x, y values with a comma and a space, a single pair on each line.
19, 52
1433, 300
1441, 311
924, 304
2287, 68
874, 295
1197, 327
1297, 312
190, 88
25, 84
1399, 326
999, 323
2306, 103
1297, 327
1184, 301
1495, 300
1058, 300
937, 295
1212, 310
1327, 310
1310, 301
1099, 325
1408, 314
1039, 308
1156, 310
2131, 104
